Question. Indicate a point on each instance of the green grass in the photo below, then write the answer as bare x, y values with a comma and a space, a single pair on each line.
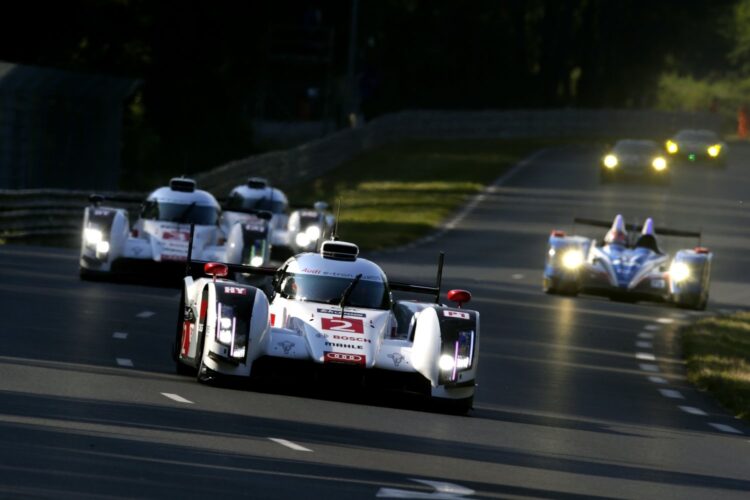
400, 192
717, 351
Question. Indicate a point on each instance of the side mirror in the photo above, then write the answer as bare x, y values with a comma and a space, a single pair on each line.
460, 297
96, 199
215, 269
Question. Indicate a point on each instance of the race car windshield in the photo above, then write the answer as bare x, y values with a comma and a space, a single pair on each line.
697, 136
238, 202
184, 213
636, 148
329, 290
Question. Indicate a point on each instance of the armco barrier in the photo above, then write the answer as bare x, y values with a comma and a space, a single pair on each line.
47, 212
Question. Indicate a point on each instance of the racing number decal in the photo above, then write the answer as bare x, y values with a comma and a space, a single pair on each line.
349, 325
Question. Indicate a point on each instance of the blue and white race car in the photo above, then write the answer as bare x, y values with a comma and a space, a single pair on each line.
627, 266
330, 312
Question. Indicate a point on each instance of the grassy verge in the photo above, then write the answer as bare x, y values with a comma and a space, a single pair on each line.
717, 351
399, 192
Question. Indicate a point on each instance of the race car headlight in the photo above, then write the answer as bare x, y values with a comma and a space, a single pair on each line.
610, 161
679, 271
256, 261
92, 235
446, 362
659, 164
572, 259
102, 247
672, 147
713, 151
459, 356
313, 232
302, 239
225, 329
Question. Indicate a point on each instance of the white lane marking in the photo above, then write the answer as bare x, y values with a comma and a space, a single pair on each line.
517, 276
124, 362
643, 344
665, 321
671, 393
645, 335
647, 367
441, 490
645, 356
176, 397
145, 314
289, 444
725, 428
658, 380
693, 410
120, 335
652, 328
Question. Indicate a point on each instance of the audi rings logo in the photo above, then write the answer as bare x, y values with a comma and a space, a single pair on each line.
342, 357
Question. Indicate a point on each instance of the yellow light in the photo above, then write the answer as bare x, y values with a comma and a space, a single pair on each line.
679, 271
713, 151
610, 161
672, 147
572, 259
659, 164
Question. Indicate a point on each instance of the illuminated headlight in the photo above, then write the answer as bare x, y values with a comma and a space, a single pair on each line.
672, 147
256, 261
102, 247
572, 259
679, 271
313, 232
610, 161
659, 164
551, 252
446, 362
225, 325
92, 236
713, 151
302, 239
239, 352
460, 358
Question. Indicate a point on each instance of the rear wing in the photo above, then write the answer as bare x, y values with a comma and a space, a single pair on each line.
664, 231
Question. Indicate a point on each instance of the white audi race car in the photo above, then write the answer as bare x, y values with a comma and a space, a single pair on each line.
329, 311
628, 266
159, 238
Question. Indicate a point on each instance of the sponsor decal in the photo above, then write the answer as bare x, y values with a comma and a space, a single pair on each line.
338, 313
351, 339
256, 227
286, 346
456, 314
307, 270
346, 358
235, 290
343, 346
396, 357
175, 235
344, 325
273, 319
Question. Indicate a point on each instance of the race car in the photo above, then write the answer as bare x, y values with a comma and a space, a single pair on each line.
639, 159
158, 240
331, 311
308, 227
259, 196
698, 145
627, 266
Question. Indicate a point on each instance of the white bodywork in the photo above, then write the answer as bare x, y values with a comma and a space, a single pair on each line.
317, 332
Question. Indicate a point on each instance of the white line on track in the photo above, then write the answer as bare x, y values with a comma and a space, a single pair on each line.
647, 367
658, 380
671, 393
693, 410
645, 335
124, 362
645, 356
644, 344
145, 314
289, 444
725, 428
652, 328
176, 397
517, 276
120, 335
665, 321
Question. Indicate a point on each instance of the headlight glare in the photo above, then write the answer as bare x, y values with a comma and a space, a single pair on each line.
446, 362
713, 151
610, 161
572, 259
102, 247
672, 147
256, 261
659, 164
302, 240
679, 271
92, 235
313, 232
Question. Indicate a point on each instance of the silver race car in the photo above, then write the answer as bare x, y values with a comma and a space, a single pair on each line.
257, 195
698, 145
626, 267
333, 312
308, 227
635, 159
159, 237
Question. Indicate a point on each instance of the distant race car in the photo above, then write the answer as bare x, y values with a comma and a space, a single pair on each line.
159, 237
332, 312
629, 268
639, 159
698, 145
258, 195
307, 227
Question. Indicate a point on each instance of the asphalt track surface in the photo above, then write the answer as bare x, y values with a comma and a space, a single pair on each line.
578, 397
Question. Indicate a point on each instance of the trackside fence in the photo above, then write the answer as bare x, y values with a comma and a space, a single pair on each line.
40, 212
